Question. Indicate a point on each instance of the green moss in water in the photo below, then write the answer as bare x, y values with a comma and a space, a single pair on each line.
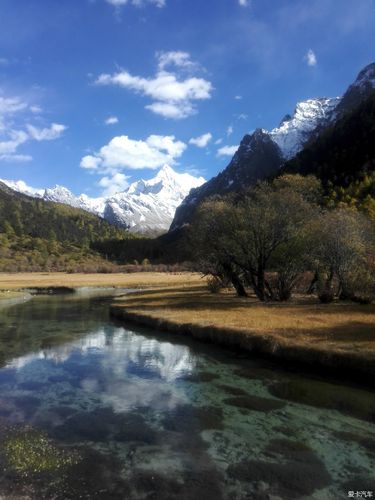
30, 451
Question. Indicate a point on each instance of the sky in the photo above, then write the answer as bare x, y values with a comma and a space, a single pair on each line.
95, 94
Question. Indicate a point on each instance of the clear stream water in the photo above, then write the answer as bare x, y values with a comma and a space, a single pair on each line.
90, 408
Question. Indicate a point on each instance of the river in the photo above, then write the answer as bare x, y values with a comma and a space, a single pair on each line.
90, 408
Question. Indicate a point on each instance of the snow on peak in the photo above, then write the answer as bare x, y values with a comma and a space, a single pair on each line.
22, 187
151, 204
293, 132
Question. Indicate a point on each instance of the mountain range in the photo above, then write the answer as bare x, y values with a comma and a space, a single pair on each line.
169, 200
264, 154
144, 207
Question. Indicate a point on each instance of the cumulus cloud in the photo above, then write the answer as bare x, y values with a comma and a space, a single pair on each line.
230, 130
137, 3
201, 141
174, 96
310, 58
227, 151
122, 152
111, 120
113, 184
46, 134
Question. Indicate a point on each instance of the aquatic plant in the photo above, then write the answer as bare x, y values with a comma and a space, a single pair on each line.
28, 450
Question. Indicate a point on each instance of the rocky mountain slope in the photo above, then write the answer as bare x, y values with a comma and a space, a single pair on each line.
343, 153
263, 153
144, 207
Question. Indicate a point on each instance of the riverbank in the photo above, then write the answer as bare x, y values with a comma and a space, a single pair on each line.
9, 297
338, 337
19, 281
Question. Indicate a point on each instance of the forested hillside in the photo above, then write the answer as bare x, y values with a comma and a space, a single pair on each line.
37, 235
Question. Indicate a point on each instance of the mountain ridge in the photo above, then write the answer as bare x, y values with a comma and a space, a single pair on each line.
310, 119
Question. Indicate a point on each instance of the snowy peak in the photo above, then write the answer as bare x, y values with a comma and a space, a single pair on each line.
295, 130
22, 187
150, 205
60, 194
165, 180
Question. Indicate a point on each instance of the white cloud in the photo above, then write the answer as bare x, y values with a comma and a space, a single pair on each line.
202, 140
36, 109
90, 162
174, 96
230, 130
46, 134
238, 97
227, 151
218, 141
242, 116
14, 132
114, 184
111, 120
15, 158
10, 145
310, 58
244, 3
137, 3
122, 152
176, 111
175, 58
11, 105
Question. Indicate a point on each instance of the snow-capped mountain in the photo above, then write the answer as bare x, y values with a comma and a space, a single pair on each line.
146, 206
294, 131
262, 153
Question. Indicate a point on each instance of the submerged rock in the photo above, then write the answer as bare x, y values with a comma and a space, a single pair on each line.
290, 480
191, 419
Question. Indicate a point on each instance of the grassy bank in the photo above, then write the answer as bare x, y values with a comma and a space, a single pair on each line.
17, 281
339, 336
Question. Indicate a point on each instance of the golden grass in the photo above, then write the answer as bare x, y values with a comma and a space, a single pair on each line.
15, 281
337, 327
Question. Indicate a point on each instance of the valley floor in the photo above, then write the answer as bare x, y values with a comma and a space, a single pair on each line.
339, 337
17, 281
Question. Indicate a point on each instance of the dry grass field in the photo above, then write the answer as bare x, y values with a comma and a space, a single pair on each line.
16, 281
338, 327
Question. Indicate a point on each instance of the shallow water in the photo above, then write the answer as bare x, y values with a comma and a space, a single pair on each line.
90, 408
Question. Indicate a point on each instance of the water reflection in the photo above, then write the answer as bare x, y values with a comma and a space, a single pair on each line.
136, 415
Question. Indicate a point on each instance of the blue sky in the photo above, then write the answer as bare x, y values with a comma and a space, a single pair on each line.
95, 94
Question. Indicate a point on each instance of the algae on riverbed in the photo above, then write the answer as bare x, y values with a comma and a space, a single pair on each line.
28, 450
